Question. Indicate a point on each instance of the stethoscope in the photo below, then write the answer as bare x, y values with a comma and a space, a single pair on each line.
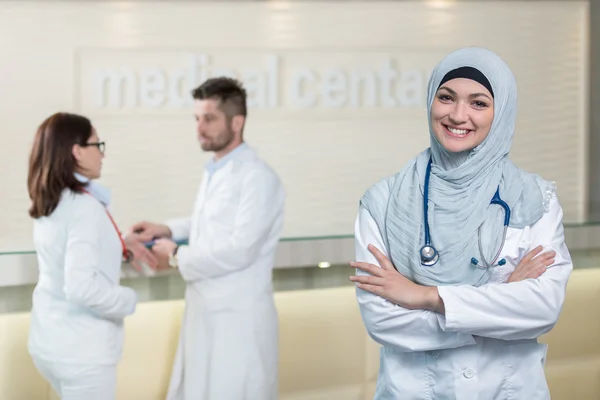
429, 254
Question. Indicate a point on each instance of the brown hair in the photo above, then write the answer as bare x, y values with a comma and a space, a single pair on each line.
228, 91
51, 162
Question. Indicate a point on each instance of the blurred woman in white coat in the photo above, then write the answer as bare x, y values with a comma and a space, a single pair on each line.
76, 331
461, 259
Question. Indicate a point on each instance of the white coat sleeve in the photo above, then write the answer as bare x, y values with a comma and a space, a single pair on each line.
516, 310
180, 228
261, 202
84, 282
387, 323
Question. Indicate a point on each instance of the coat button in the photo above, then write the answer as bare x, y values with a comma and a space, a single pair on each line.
468, 373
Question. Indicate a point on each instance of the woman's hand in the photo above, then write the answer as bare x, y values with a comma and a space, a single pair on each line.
388, 283
532, 267
140, 253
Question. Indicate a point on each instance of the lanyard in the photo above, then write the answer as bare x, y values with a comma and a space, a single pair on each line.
127, 256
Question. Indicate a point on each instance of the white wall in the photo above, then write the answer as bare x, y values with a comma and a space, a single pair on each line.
327, 149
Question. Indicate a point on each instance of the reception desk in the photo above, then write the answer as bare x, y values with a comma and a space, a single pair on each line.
325, 352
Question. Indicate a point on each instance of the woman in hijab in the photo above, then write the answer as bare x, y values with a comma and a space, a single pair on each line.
455, 292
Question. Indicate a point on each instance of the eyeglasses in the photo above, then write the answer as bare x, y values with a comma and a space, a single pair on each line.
100, 145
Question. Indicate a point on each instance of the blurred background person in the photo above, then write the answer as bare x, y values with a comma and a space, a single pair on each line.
228, 345
76, 332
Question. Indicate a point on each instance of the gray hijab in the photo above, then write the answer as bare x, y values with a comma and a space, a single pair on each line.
460, 189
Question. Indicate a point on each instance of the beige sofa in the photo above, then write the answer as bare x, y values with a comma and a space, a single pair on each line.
325, 353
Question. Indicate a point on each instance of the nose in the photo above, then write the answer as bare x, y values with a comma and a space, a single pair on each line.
459, 113
199, 127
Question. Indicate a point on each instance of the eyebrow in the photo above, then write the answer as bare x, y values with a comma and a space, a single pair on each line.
472, 96
205, 115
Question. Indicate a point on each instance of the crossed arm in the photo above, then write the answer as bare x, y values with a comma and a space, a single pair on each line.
410, 317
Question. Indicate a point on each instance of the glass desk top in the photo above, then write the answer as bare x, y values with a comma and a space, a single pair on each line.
569, 227
283, 240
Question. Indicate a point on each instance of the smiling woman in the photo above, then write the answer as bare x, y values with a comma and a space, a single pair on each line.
462, 114
463, 110
419, 234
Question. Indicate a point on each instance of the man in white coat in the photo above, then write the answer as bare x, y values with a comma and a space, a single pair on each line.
228, 345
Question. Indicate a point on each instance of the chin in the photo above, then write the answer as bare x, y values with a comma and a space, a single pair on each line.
206, 146
96, 174
457, 147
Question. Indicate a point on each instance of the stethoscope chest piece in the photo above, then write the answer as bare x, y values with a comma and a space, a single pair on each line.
429, 256
428, 253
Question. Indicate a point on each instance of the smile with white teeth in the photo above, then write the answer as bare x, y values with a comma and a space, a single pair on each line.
458, 131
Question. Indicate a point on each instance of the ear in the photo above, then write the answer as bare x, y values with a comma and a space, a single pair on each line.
237, 123
76, 151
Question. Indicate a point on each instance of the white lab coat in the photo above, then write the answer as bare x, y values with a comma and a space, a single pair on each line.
485, 347
76, 331
228, 346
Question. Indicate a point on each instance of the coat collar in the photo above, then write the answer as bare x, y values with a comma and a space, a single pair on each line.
240, 153
99, 192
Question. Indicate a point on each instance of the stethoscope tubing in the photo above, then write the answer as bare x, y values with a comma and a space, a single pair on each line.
433, 259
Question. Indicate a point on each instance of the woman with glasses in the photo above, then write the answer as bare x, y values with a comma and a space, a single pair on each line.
76, 331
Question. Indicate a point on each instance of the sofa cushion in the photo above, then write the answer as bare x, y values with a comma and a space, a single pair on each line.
322, 340
577, 332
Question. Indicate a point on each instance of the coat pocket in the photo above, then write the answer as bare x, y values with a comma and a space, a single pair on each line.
524, 376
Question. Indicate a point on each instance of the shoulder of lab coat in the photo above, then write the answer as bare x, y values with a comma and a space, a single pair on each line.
387, 323
84, 281
516, 310
261, 202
